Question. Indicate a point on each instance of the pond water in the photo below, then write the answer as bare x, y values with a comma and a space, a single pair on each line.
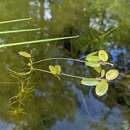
53, 104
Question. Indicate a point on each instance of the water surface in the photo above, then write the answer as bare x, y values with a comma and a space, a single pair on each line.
62, 104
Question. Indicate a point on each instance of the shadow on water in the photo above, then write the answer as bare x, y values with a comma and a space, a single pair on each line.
63, 104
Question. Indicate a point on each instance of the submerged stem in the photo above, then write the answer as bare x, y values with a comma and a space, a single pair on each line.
62, 74
19, 31
55, 58
106, 63
71, 59
37, 41
15, 20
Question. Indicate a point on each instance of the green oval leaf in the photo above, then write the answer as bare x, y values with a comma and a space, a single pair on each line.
92, 64
24, 54
112, 74
103, 55
89, 81
101, 88
92, 58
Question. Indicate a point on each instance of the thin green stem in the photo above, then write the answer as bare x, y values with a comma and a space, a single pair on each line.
72, 76
15, 20
4, 83
106, 63
19, 31
58, 58
37, 41
71, 59
21, 73
62, 74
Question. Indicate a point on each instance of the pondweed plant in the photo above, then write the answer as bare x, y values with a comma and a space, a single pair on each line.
95, 60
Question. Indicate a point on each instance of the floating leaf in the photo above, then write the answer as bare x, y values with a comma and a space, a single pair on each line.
112, 74
103, 55
93, 64
103, 73
55, 70
101, 88
89, 81
24, 54
92, 58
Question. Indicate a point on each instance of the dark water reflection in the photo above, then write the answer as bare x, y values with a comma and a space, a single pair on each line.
64, 104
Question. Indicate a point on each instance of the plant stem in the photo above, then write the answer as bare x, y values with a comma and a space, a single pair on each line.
37, 41
4, 83
19, 31
72, 76
15, 20
62, 74
71, 59
48, 59
106, 63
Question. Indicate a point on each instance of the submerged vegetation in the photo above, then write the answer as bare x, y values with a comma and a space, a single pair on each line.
97, 60
67, 62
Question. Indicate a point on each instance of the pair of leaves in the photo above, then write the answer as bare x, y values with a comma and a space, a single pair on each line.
55, 70
101, 86
93, 59
110, 75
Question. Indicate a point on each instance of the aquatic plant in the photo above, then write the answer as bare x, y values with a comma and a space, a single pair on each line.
28, 30
95, 60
